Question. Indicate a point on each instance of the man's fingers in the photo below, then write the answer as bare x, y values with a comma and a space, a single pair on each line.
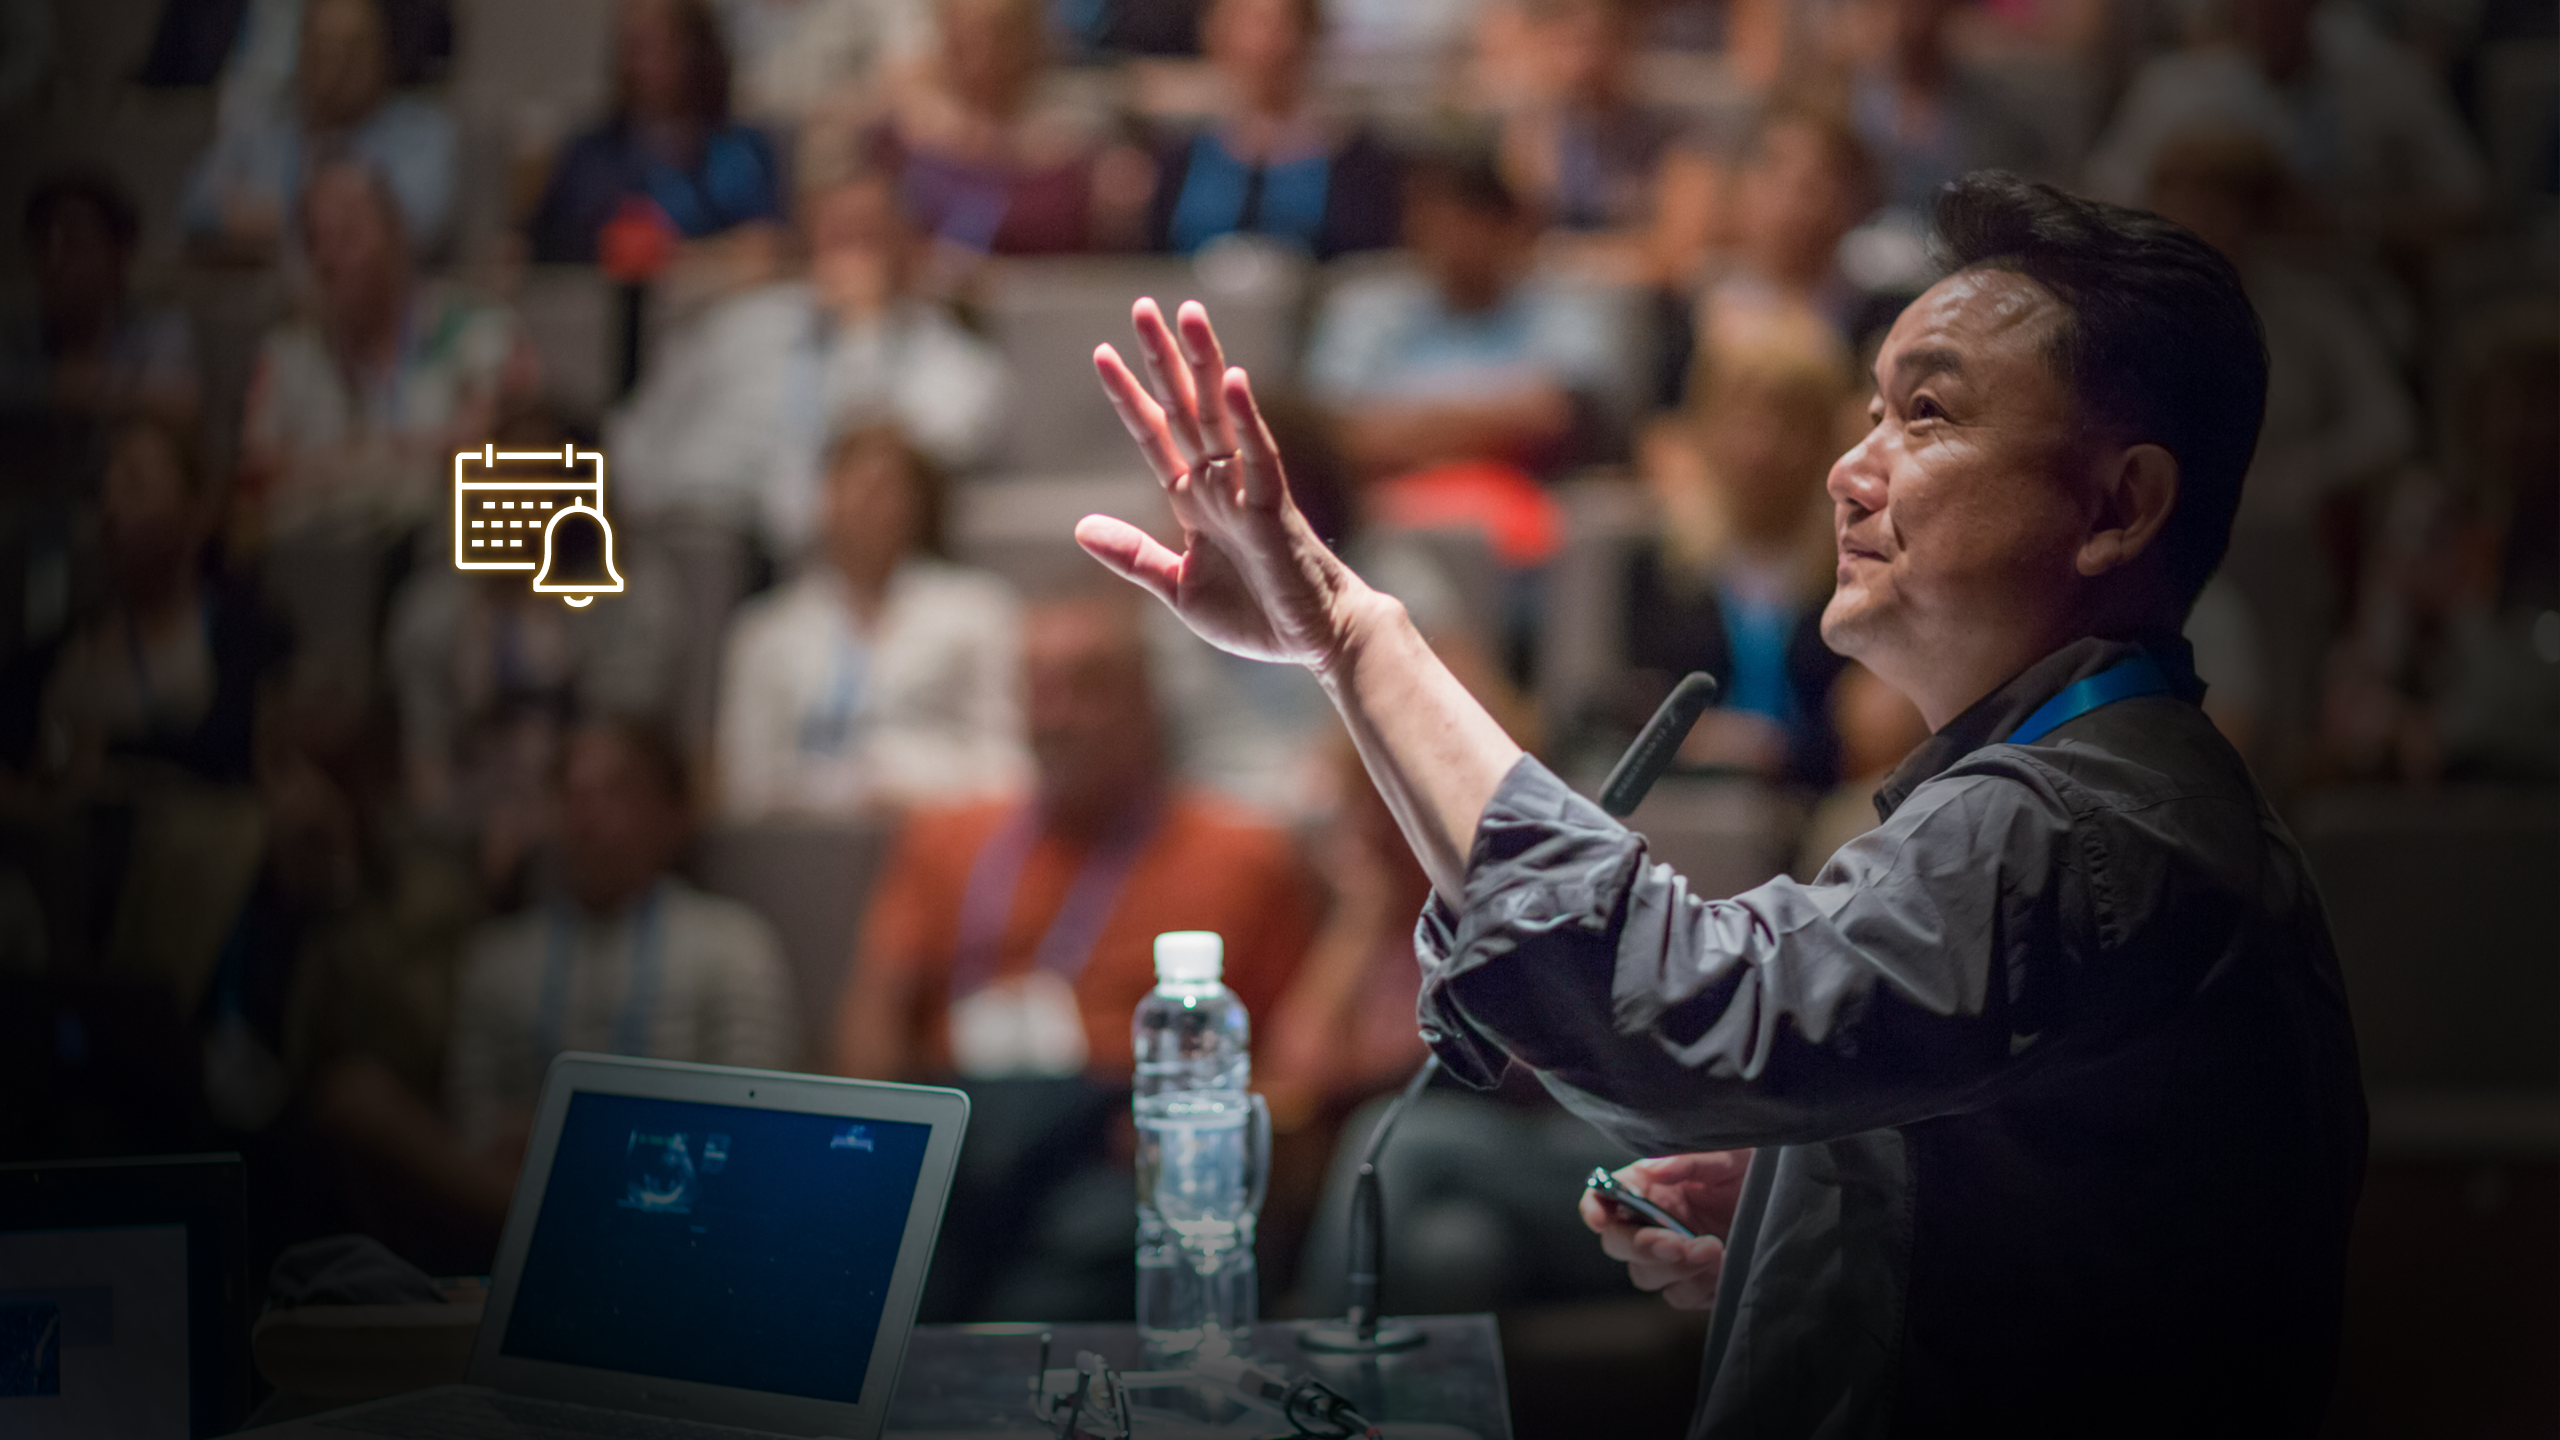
1208, 376
1132, 554
1170, 375
1139, 412
1265, 482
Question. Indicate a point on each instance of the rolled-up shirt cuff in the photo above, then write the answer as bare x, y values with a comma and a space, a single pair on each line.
1545, 864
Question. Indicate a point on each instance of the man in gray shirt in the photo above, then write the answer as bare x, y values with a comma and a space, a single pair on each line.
2050, 1077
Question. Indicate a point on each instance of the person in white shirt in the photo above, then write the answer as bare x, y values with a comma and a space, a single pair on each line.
883, 675
730, 421
630, 961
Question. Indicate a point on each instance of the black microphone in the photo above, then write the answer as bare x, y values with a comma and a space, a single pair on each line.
1359, 1331
1660, 739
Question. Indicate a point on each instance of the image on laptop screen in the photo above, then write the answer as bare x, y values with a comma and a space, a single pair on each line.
720, 1244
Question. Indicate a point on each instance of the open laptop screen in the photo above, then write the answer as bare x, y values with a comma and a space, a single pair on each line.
720, 1244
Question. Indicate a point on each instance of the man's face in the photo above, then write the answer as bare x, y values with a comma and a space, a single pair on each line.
619, 830
1962, 507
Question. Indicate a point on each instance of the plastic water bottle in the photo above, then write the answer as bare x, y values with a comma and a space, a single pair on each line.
1204, 1145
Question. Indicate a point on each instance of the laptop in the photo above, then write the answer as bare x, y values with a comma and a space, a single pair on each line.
124, 1298
697, 1251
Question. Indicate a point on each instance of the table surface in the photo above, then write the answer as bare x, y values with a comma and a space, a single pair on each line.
975, 1380
966, 1381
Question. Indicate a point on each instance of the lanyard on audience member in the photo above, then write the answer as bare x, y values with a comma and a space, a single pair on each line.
2124, 680
640, 990
1067, 944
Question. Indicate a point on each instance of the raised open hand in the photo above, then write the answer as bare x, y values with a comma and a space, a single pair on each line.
1252, 576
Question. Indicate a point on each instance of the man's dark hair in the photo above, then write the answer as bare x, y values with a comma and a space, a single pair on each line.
2161, 345
96, 190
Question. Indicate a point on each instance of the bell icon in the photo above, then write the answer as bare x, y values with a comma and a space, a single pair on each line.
577, 557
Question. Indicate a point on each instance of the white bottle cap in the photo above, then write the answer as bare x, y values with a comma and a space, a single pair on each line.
1190, 957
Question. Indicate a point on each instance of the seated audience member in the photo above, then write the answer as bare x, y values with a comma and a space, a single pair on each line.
988, 162
485, 677
729, 423
884, 675
1469, 368
1929, 116
1803, 181
1016, 937
1630, 197
2450, 667
356, 409
1009, 943
242, 198
1736, 580
171, 671
2339, 419
669, 158
2366, 129
88, 346
629, 961
1274, 161
793, 58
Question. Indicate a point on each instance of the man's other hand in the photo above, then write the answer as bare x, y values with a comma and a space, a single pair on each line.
1699, 1189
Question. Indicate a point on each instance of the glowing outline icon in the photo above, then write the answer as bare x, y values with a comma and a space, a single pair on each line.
587, 498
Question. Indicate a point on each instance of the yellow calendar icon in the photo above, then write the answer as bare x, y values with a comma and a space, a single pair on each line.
536, 511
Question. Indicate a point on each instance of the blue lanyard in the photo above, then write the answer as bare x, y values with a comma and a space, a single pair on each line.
640, 996
2124, 680
1068, 943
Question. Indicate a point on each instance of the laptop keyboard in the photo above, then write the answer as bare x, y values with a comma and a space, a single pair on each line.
465, 1416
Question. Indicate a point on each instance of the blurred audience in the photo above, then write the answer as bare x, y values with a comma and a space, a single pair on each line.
171, 671
794, 58
2450, 667
990, 160
243, 196
1736, 578
1803, 181
1016, 937
628, 960
2368, 130
729, 423
1274, 160
356, 408
1630, 190
87, 345
2339, 422
669, 161
1929, 115
883, 676
1466, 377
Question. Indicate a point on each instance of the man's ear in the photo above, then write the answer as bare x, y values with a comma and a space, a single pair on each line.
2137, 487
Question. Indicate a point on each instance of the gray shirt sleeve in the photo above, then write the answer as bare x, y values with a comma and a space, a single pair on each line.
1893, 988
